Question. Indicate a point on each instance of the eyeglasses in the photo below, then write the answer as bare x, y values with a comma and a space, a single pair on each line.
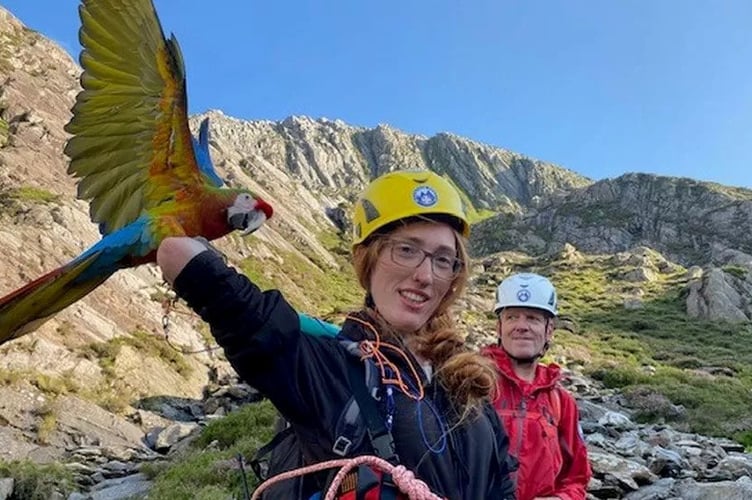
444, 264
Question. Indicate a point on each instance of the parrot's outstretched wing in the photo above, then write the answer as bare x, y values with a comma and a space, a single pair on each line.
131, 145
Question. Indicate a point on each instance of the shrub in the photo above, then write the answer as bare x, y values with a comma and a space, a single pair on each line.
745, 438
48, 422
736, 271
38, 482
149, 344
237, 425
209, 470
34, 195
689, 362
651, 405
621, 377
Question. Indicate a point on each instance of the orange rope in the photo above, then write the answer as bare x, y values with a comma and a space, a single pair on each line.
372, 349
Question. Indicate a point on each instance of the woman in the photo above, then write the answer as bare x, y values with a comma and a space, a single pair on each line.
409, 255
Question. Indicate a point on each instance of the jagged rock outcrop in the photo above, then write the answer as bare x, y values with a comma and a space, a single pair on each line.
720, 295
681, 218
493, 177
37, 88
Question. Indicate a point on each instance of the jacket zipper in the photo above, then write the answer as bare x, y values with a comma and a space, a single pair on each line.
521, 424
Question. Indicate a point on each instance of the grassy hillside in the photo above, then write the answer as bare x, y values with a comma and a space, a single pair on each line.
308, 284
706, 366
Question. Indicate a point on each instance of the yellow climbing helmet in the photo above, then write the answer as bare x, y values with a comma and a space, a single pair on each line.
401, 194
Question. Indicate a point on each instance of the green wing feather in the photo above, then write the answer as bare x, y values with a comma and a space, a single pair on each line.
131, 144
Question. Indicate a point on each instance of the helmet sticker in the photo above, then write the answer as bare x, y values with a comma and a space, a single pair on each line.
523, 295
370, 211
425, 196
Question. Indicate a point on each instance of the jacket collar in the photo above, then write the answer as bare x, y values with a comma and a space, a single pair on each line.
355, 330
545, 375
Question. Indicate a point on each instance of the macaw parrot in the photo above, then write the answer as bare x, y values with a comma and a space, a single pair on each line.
146, 177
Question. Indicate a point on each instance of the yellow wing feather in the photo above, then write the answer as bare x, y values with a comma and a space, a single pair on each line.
131, 144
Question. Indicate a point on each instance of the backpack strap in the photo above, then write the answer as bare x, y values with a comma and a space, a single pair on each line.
260, 463
381, 439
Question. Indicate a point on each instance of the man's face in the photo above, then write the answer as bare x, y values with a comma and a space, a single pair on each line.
524, 331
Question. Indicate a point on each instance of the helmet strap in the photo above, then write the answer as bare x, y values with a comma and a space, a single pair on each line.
369, 301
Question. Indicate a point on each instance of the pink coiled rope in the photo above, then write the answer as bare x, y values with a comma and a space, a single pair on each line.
405, 480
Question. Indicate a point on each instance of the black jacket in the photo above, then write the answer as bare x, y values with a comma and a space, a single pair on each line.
306, 379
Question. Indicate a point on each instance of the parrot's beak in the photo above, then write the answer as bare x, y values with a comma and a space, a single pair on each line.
249, 221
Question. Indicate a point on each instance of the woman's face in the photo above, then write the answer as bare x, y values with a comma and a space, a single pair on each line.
413, 272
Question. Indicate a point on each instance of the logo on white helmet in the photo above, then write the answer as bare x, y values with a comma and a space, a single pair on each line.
523, 295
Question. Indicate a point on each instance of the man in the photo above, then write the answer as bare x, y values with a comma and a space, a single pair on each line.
539, 415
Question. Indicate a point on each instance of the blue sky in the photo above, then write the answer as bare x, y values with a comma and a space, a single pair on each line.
600, 87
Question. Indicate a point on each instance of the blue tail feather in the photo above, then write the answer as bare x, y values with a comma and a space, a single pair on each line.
201, 150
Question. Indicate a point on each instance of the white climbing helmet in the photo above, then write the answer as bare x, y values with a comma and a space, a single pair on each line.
526, 290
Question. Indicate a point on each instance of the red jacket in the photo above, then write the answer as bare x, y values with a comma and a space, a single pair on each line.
544, 432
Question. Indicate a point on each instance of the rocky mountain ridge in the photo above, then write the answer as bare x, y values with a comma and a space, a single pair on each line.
690, 222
